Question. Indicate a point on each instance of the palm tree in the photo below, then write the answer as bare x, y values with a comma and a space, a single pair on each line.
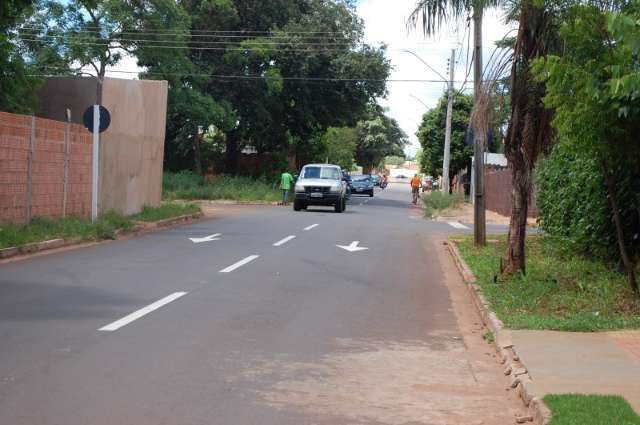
433, 14
529, 131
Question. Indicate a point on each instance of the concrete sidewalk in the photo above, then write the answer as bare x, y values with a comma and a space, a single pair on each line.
587, 363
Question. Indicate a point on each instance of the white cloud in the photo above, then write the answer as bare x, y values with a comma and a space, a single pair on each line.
386, 21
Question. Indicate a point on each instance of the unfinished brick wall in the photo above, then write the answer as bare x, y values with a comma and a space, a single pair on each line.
45, 169
498, 193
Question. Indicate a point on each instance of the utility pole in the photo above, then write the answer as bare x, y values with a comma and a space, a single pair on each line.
479, 224
447, 136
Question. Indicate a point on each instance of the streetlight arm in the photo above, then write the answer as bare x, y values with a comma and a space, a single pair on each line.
427, 65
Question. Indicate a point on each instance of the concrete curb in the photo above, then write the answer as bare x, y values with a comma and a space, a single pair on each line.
520, 379
138, 228
230, 202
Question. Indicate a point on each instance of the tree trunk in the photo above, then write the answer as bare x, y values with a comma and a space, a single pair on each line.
624, 254
529, 132
232, 153
521, 188
197, 154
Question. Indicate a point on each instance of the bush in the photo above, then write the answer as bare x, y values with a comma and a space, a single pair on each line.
573, 203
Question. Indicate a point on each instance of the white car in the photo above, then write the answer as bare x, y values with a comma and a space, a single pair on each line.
320, 184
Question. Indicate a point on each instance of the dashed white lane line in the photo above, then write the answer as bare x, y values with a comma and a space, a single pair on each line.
285, 240
310, 227
457, 225
142, 312
239, 264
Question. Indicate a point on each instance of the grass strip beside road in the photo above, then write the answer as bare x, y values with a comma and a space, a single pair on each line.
578, 409
43, 229
560, 291
437, 202
165, 211
191, 186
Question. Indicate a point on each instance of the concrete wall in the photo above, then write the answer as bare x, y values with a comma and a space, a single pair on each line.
132, 148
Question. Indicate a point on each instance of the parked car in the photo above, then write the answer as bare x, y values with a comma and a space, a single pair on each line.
320, 184
347, 179
362, 185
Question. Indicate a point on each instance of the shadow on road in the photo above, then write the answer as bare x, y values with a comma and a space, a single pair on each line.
20, 300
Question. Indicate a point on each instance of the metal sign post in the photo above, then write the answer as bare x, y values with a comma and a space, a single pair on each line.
96, 163
96, 119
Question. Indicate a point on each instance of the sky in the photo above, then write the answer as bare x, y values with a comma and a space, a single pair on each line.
385, 21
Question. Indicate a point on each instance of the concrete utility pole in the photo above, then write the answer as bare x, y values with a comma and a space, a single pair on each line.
447, 136
479, 224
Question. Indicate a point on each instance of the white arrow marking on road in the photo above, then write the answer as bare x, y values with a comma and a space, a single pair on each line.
352, 247
214, 237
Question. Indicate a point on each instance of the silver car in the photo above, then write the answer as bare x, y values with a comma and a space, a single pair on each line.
320, 184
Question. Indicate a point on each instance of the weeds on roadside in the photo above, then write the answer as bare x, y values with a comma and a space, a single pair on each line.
188, 185
436, 202
106, 227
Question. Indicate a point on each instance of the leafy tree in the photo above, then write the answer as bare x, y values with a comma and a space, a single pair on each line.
378, 137
340, 144
594, 90
394, 160
17, 88
66, 36
431, 135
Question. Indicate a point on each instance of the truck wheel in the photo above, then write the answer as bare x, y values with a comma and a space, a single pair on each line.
339, 206
297, 206
371, 194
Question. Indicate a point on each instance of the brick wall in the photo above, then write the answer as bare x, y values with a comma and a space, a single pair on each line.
32, 168
498, 193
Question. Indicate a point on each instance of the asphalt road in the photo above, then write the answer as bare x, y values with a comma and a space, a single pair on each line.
270, 322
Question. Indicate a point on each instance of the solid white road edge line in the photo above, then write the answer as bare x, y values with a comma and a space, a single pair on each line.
142, 312
310, 227
457, 225
285, 240
239, 264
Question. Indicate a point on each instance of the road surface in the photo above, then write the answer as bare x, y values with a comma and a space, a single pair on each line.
266, 316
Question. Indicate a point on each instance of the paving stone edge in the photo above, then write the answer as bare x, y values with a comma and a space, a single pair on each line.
139, 227
520, 379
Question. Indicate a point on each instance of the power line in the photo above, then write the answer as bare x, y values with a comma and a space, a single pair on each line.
200, 33
261, 77
228, 43
310, 49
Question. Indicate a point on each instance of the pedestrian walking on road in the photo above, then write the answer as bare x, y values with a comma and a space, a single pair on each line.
286, 179
415, 188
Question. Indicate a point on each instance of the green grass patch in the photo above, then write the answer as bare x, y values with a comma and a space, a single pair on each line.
437, 202
166, 210
43, 229
489, 337
188, 185
560, 291
577, 409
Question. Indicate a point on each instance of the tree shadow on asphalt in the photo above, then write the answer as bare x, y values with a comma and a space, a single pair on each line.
20, 300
